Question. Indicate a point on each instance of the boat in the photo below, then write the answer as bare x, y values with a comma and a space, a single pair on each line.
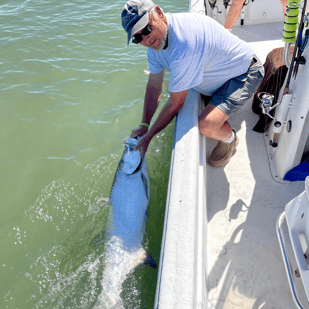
237, 236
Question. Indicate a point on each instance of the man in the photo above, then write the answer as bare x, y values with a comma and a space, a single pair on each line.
200, 54
235, 10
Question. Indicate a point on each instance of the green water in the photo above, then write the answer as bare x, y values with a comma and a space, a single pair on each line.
71, 92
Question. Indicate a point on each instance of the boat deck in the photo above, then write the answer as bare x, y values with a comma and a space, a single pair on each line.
244, 261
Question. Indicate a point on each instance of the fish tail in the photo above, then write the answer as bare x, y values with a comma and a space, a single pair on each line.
148, 260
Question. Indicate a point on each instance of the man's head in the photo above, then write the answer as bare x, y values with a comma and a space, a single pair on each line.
135, 16
145, 23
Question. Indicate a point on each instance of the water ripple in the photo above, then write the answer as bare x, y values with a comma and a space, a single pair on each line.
71, 92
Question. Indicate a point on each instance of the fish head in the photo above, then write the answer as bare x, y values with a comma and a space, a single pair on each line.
131, 159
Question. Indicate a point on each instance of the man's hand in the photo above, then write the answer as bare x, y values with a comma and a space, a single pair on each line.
140, 131
142, 144
170, 109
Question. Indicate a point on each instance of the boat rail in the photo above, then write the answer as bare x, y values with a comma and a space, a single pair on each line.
182, 272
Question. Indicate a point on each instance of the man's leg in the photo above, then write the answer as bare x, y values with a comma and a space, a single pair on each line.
284, 4
213, 124
227, 100
235, 10
234, 13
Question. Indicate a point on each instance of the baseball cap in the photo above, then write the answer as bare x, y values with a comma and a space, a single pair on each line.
134, 16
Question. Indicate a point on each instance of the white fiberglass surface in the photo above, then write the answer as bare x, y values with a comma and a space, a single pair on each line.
245, 266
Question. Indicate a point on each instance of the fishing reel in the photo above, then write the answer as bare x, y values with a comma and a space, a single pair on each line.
267, 103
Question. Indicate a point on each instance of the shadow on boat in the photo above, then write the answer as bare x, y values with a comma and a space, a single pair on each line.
245, 265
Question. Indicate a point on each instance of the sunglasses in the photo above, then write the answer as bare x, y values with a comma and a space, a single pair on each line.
138, 37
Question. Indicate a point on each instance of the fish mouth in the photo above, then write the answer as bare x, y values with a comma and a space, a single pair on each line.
131, 159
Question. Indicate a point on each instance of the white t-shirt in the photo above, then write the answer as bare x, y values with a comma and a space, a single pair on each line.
201, 54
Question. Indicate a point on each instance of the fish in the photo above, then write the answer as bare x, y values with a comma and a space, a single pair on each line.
129, 199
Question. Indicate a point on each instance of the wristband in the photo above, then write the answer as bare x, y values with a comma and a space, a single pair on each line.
145, 124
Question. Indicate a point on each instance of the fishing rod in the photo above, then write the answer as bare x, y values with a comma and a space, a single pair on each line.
299, 35
301, 45
205, 6
290, 24
242, 18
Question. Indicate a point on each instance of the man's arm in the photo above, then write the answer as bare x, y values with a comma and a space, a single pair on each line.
170, 109
152, 99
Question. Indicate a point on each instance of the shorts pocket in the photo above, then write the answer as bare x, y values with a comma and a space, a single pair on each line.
257, 68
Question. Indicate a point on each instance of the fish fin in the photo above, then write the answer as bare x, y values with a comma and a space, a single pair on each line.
148, 260
146, 215
146, 185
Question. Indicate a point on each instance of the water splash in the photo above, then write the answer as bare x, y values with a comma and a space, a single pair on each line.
118, 264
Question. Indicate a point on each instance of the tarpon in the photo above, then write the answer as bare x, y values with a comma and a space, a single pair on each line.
129, 199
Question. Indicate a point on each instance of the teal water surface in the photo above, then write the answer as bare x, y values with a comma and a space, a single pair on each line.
71, 92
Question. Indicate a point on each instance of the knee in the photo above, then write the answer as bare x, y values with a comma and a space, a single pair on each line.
206, 128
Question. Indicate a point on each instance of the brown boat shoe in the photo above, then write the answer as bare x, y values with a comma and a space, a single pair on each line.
223, 152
